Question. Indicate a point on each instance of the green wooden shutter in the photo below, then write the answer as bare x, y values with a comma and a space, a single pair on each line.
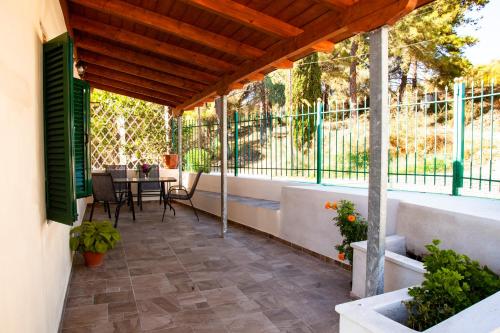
81, 112
58, 127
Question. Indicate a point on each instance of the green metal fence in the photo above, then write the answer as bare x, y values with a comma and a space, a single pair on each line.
439, 142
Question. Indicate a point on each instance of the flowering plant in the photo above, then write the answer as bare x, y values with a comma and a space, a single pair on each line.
352, 225
146, 168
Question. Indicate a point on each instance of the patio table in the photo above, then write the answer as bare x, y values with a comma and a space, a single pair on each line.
141, 180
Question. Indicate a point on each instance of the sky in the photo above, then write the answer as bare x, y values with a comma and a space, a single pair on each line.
487, 31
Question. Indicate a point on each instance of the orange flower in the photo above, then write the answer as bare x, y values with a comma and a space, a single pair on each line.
334, 205
328, 205
341, 256
351, 218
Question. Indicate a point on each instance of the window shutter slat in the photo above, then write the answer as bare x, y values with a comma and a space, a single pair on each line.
81, 99
58, 128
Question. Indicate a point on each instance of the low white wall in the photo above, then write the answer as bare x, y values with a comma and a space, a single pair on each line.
307, 223
467, 225
35, 258
399, 270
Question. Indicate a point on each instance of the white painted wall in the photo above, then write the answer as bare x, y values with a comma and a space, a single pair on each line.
35, 259
465, 224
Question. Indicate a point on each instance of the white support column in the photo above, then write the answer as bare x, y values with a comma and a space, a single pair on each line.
179, 146
221, 109
379, 143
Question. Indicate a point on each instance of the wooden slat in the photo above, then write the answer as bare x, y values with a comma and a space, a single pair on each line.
141, 59
135, 80
237, 12
132, 88
128, 93
363, 16
179, 85
175, 27
146, 43
337, 4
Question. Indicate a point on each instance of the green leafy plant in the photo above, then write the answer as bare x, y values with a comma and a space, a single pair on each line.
453, 282
198, 159
93, 237
352, 225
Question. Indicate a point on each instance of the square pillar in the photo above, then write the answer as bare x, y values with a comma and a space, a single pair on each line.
379, 145
221, 110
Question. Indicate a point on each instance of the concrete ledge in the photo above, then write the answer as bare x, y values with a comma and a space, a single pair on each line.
400, 271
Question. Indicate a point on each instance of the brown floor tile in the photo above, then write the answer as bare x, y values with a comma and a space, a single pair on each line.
181, 277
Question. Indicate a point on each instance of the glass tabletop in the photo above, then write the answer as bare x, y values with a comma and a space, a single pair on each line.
145, 180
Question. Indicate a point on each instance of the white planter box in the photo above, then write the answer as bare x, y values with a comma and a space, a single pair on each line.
399, 270
385, 313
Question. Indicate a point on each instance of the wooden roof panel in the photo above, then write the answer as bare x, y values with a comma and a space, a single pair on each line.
200, 48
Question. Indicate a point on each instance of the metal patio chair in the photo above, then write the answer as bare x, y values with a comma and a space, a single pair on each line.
179, 192
103, 189
152, 189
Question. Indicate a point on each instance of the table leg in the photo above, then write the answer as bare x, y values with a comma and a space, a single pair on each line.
131, 198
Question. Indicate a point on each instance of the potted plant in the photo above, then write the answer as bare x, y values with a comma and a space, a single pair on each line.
171, 160
352, 225
93, 240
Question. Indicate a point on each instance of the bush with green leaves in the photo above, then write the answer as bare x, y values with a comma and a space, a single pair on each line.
197, 159
453, 282
352, 225
94, 237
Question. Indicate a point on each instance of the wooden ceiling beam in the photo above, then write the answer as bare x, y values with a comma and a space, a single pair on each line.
130, 38
324, 46
337, 4
365, 15
141, 59
171, 26
252, 18
135, 80
132, 88
283, 64
129, 93
179, 85
255, 77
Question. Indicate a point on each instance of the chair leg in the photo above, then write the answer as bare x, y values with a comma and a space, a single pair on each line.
109, 209
164, 210
117, 213
194, 210
92, 211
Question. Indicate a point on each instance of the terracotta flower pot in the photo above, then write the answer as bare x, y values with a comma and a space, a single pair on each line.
93, 259
171, 160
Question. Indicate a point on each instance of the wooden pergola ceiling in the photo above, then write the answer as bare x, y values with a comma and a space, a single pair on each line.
182, 53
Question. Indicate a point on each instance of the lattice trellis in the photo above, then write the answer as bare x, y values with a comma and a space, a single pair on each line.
126, 131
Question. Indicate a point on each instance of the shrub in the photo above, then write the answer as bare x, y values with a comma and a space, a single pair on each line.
453, 282
352, 225
197, 159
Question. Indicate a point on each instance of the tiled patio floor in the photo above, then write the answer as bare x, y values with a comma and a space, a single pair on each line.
179, 276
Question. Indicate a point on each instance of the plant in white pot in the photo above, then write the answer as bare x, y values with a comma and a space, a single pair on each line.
93, 240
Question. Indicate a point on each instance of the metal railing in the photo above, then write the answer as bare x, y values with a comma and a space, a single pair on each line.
439, 142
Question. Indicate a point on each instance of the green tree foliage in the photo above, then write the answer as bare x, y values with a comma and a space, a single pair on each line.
453, 282
427, 40
197, 159
306, 91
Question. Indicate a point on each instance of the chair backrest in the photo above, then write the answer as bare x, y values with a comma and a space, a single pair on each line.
118, 171
195, 183
153, 173
103, 187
